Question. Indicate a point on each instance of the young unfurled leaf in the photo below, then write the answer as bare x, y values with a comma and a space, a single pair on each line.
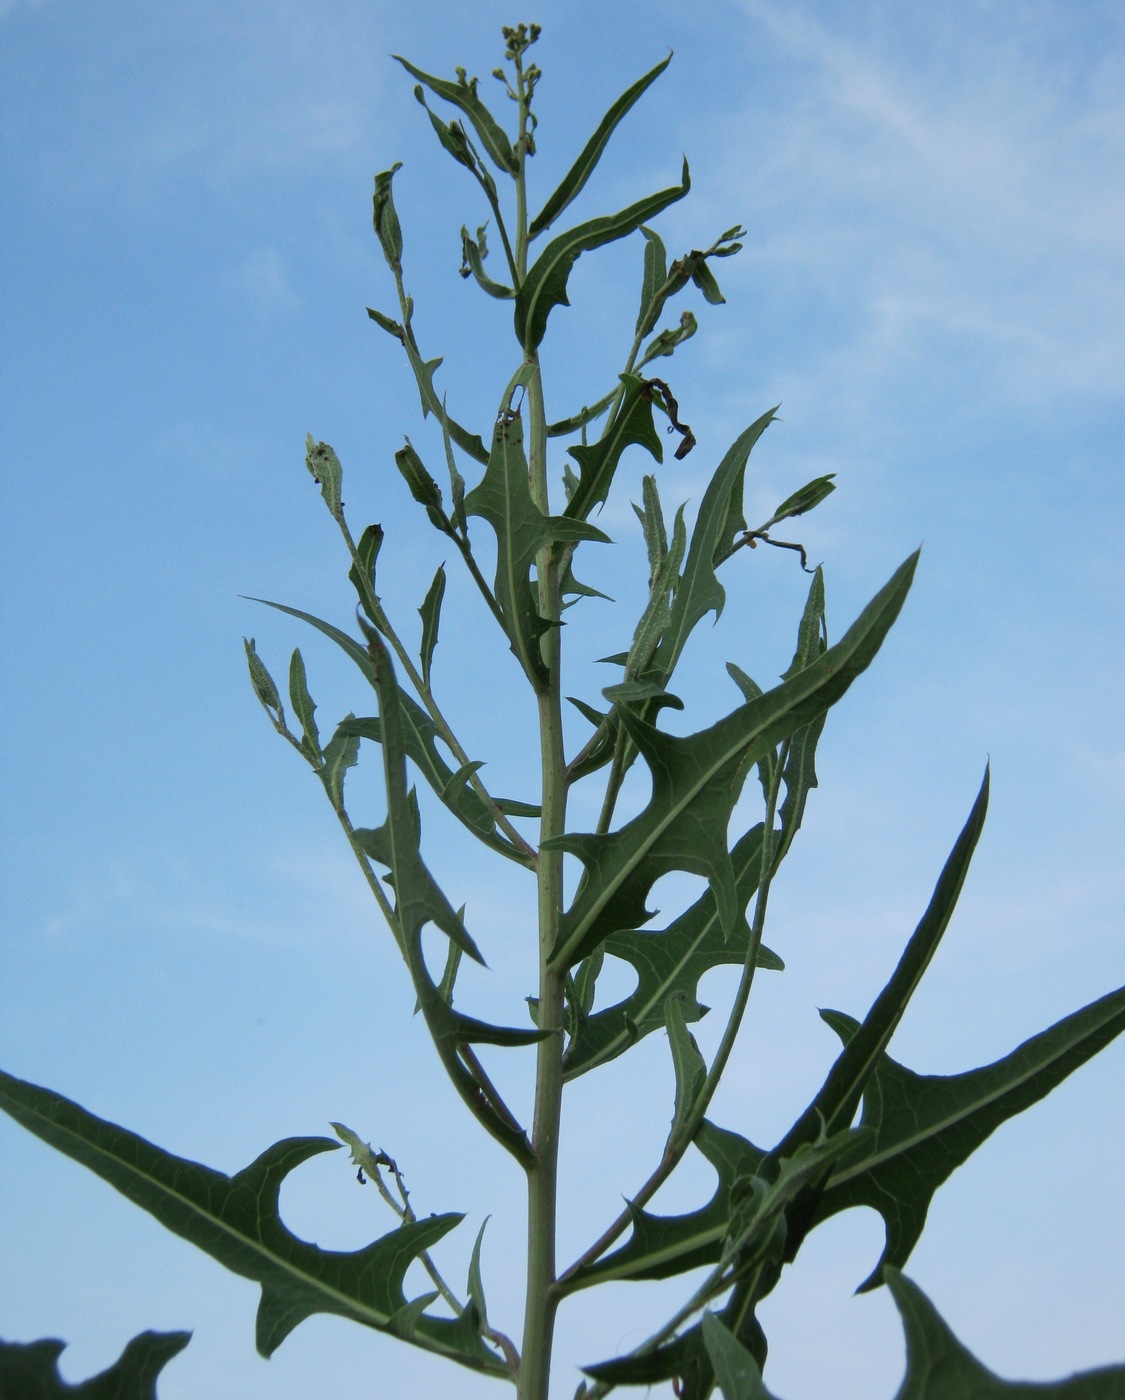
30, 1370
472, 263
666, 342
423, 487
450, 134
704, 279
475, 1286
430, 612
263, 683
803, 500
303, 706
634, 692
631, 424
362, 575
503, 498
670, 961
544, 287
456, 480
340, 753
388, 230
684, 824
574, 179
324, 466
651, 517
236, 1220
939, 1367
463, 94
923, 1126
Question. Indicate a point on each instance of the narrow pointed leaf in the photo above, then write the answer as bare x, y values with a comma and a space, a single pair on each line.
924, 1125
362, 575
475, 1288
30, 1370
430, 612
263, 682
236, 1221
735, 1368
463, 94
653, 284
836, 1103
939, 1367
631, 425
385, 218
670, 961
652, 522
803, 500
574, 179
303, 706
683, 827
340, 753
544, 287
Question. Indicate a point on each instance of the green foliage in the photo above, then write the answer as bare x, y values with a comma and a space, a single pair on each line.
30, 1371
913, 1130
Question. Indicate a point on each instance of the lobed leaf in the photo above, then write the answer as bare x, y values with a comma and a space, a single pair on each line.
699, 591
683, 827
30, 1370
924, 1126
667, 962
503, 498
597, 462
544, 287
662, 1246
938, 1367
419, 901
236, 1220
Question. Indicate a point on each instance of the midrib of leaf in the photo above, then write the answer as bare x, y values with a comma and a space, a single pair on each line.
57, 1130
902, 1145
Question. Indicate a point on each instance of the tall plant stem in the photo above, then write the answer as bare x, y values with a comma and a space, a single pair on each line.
542, 1173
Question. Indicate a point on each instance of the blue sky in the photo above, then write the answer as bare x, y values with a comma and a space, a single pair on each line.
933, 288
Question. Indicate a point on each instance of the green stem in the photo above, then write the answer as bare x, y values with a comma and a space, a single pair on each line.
542, 1173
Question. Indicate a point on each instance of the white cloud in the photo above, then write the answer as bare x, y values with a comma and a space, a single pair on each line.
957, 202
262, 278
